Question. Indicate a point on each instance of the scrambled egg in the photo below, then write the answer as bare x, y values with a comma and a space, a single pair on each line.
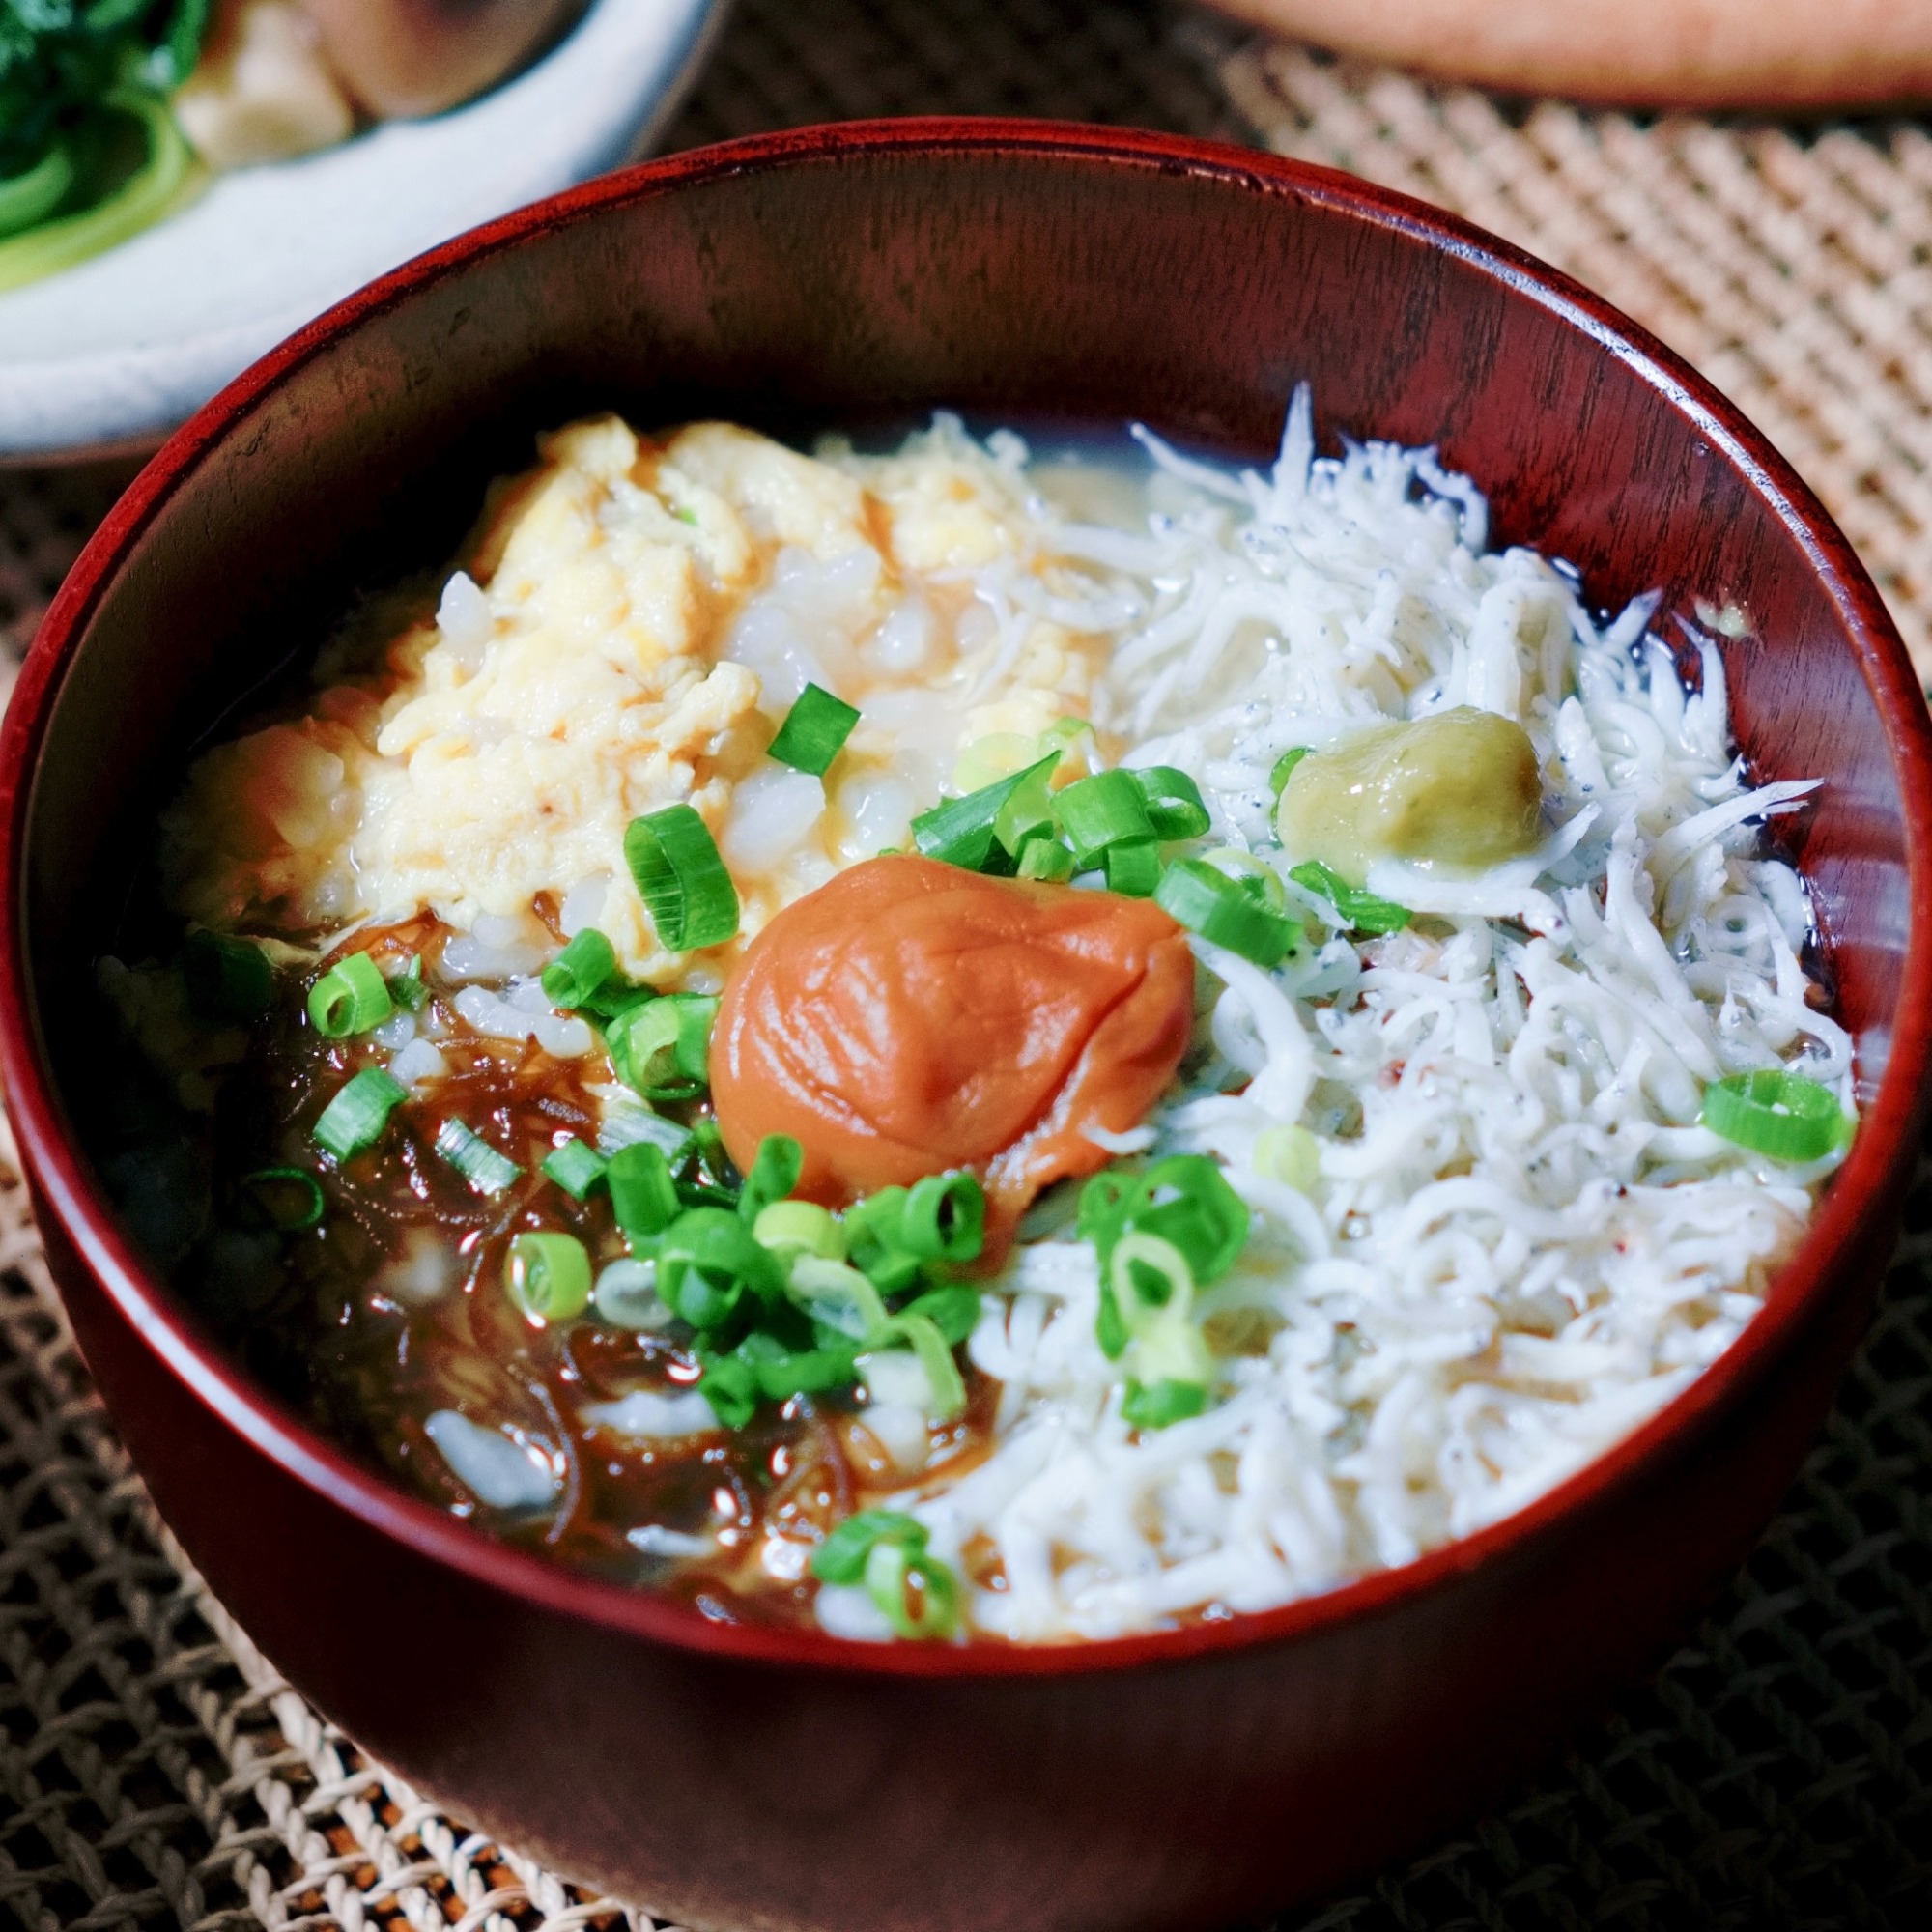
627, 631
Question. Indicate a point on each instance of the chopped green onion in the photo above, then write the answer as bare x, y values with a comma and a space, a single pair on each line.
875, 1237
226, 979
29, 197
1156, 1405
486, 1170
1362, 911
1150, 1280
917, 1592
357, 1114
730, 1386
959, 831
816, 727
407, 988
775, 1171
953, 1309
1205, 901
643, 1198
1175, 807
575, 977
1099, 812
783, 1372
794, 1228
944, 1217
681, 878
1284, 764
1777, 1112
547, 1276
661, 1046
841, 1557
631, 1120
1185, 1200
625, 1294
1255, 877
837, 1296
288, 1198
708, 1262
350, 998
1064, 735
1133, 867
1027, 813
695, 1193
575, 1168
935, 1357
1045, 859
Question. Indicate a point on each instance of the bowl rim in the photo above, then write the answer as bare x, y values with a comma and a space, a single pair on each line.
65, 1190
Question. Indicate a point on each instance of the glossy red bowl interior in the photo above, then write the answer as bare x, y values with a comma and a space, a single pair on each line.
744, 1778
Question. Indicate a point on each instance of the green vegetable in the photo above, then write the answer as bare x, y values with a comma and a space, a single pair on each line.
1777, 1112
1100, 812
139, 200
681, 878
360, 1112
944, 1217
794, 1228
730, 1386
660, 1045
1133, 867
407, 988
643, 1198
226, 979
486, 1170
547, 1276
30, 196
1175, 806
935, 1357
709, 1263
350, 998
1045, 859
289, 1199
575, 1168
961, 831
816, 727
775, 1172
580, 971
1361, 911
1284, 765
1207, 900
886, 1550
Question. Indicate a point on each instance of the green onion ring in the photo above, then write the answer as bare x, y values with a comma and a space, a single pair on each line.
814, 731
350, 998
1777, 1113
289, 1198
358, 1112
547, 1276
681, 878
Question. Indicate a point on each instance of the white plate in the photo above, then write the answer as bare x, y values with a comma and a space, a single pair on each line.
125, 346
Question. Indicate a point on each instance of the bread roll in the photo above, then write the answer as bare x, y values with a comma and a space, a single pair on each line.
1662, 53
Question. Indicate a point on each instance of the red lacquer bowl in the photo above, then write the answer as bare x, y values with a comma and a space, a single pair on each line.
742, 1779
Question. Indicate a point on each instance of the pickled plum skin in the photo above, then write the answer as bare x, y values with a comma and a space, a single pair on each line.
909, 1017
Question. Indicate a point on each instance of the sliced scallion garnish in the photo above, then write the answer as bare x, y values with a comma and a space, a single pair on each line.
1159, 1404
350, 998
480, 1164
575, 975
575, 1168
1045, 859
1101, 810
816, 727
1361, 911
31, 196
935, 1359
1175, 807
959, 831
1777, 1113
944, 1217
681, 878
226, 979
660, 1046
1284, 765
360, 1112
547, 1275
775, 1171
730, 1386
708, 1261
288, 1198
886, 1550
794, 1228
406, 987
1132, 867
643, 1197
1206, 901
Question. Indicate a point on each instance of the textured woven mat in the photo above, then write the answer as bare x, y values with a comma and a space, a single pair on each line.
152, 1769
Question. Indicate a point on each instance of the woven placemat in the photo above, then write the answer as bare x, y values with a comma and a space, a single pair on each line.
154, 1771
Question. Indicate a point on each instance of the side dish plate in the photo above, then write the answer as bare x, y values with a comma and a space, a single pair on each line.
114, 353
